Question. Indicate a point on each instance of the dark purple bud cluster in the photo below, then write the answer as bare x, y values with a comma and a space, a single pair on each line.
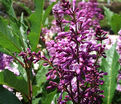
30, 57
75, 55
100, 34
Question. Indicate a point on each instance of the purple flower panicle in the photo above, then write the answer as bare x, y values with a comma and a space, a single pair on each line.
75, 54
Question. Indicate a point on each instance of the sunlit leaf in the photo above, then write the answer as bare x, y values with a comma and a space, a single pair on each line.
116, 23
110, 65
108, 14
36, 23
13, 81
7, 39
47, 12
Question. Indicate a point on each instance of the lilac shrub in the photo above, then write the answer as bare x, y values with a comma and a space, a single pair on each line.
75, 54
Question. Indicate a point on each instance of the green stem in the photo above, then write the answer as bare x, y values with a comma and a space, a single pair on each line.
29, 86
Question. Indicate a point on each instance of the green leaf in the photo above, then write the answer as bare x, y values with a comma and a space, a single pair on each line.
48, 98
40, 78
63, 97
21, 69
36, 24
114, 20
56, 98
115, 23
27, 9
47, 12
19, 30
7, 97
41, 75
110, 65
7, 39
23, 34
36, 101
13, 81
67, 28
8, 4
108, 13
4, 50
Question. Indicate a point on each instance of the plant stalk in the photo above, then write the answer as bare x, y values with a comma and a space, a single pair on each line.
29, 86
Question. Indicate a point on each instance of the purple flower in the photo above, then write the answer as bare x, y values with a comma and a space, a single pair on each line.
76, 52
119, 46
2, 62
5, 61
118, 82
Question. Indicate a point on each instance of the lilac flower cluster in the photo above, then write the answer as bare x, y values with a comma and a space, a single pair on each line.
86, 11
119, 46
119, 52
119, 82
5, 61
75, 54
91, 10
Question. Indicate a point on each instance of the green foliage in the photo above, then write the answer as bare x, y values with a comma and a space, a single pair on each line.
47, 12
38, 20
116, 23
40, 87
13, 32
66, 28
48, 97
117, 98
21, 70
13, 81
108, 14
7, 39
113, 19
57, 96
13, 36
8, 4
110, 65
23, 33
28, 10
6, 51
41, 75
36, 23
7, 97
40, 79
